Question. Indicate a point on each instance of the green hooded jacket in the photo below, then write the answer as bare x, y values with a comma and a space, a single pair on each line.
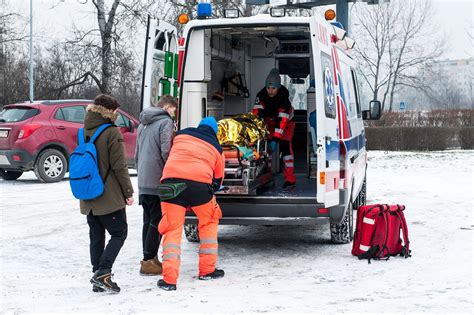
111, 156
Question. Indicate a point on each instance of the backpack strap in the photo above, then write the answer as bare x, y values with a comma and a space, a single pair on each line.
96, 135
406, 242
372, 252
385, 214
98, 132
80, 136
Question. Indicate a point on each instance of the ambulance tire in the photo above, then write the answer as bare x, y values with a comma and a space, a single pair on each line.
343, 232
191, 232
362, 199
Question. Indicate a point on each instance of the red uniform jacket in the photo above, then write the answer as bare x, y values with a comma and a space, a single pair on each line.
196, 155
277, 111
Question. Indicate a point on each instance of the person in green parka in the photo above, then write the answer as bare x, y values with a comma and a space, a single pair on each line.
107, 212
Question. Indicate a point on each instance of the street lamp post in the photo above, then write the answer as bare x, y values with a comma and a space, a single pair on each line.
31, 54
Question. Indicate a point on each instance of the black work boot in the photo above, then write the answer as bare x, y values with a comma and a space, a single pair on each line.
166, 286
103, 279
216, 274
97, 288
288, 185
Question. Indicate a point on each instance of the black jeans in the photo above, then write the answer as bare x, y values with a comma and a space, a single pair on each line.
151, 217
103, 257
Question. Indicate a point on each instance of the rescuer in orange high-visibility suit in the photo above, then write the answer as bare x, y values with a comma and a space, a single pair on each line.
196, 159
273, 105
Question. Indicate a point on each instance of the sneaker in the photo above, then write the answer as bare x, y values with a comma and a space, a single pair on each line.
216, 274
166, 286
103, 279
288, 185
150, 267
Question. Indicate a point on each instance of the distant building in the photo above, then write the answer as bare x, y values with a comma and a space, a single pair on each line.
460, 72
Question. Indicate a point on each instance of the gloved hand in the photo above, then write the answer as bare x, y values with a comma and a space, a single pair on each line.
273, 146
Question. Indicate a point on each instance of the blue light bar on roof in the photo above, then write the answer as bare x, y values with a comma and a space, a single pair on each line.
204, 10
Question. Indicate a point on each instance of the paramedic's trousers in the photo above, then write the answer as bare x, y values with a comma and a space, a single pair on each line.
171, 227
286, 149
116, 224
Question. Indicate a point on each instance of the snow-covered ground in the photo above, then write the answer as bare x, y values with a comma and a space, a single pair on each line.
45, 259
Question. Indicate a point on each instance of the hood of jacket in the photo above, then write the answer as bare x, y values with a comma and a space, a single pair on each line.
152, 114
98, 115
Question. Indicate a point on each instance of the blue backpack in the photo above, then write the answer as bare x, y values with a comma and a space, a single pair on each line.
84, 177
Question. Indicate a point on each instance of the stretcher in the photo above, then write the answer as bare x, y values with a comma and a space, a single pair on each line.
246, 171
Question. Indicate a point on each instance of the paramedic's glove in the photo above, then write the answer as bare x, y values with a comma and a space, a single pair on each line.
273, 146
216, 184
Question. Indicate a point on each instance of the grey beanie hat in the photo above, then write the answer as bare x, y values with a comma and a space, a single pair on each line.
273, 79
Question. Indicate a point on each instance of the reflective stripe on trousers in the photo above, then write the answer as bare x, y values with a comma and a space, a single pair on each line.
171, 227
289, 169
208, 215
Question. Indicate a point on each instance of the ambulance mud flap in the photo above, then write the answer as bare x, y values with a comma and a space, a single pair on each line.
336, 213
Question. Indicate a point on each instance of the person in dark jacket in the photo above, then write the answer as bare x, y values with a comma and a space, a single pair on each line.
155, 135
273, 105
107, 212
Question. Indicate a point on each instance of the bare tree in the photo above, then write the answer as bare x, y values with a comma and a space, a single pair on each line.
372, 33
8, 20
394, 40
443, 91
9, 37
106, 23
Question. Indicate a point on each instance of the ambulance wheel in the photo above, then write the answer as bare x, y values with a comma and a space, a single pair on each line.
191, 232
362, 198
51, 166
343, 232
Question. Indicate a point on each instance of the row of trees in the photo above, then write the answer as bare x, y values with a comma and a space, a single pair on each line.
391, 47
99, 59
398, 46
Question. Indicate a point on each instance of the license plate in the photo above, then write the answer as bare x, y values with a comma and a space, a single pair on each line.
3, 133
4, 160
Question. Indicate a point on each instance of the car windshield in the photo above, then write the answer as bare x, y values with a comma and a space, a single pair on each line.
15, 114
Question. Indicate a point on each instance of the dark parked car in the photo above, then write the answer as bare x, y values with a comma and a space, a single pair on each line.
41, 135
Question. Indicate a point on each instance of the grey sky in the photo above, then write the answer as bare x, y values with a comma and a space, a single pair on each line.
53, 20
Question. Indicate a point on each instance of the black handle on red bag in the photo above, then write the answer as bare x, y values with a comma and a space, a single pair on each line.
406, 252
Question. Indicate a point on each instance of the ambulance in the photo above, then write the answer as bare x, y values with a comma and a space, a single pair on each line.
232, 56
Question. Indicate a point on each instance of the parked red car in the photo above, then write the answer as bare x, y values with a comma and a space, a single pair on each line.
41, 135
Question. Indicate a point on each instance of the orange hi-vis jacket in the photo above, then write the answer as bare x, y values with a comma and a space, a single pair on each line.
196, 155
277, 111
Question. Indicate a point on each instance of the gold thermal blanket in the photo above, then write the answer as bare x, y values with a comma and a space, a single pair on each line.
241, 130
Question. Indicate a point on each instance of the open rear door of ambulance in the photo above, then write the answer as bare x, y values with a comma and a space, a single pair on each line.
327, 134
160, 67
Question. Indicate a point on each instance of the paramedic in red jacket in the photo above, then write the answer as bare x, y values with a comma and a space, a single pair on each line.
273, 105
197, 159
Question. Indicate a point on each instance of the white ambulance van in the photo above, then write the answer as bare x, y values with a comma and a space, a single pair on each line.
234, 55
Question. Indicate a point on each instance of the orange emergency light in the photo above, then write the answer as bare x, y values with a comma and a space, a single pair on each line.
322, 178
183, 18
330, 15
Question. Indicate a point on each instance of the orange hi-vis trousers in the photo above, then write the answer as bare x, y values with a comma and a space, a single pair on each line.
171, 227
